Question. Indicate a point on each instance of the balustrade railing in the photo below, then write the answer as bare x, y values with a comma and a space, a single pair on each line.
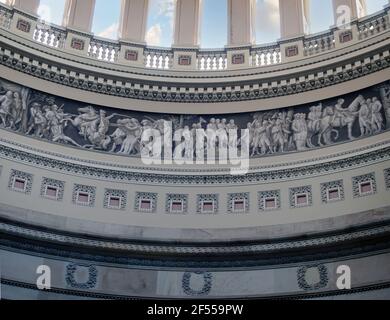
265, 55
102, 49
211, 60
206, 59
373, 24
158, 58
318, 43
49, 35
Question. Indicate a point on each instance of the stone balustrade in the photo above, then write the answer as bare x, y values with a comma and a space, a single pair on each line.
194, 58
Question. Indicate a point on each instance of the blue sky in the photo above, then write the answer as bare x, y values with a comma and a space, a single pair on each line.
214, 19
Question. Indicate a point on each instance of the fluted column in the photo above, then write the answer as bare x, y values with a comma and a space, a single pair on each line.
187, 23
357, 9
241, 22
294, 17
78, 14
30, 6
134, 15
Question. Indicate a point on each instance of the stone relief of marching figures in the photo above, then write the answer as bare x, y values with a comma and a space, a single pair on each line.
270, 132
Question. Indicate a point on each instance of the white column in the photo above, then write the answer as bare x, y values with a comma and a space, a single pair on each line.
30, 6
134, 15
187, 22
241, 22
294, 17
357, 8
79, 14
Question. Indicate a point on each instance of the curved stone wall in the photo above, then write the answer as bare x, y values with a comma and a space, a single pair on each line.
121, 85
76, 196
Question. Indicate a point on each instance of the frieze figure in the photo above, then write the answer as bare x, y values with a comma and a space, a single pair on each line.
6, 103
38, 122
377, 118
385, 96
127, 136
56, 122
299, 127
365, 117
16, 111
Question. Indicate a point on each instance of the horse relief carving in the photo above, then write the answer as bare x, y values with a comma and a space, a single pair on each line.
270, 132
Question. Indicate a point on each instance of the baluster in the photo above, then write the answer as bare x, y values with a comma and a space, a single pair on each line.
91, 48
201, 63
170, 62
148, 60
154, 65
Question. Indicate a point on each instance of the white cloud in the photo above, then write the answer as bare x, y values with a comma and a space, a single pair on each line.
166, 8
44, 12
153, 36
267, 17
110, 32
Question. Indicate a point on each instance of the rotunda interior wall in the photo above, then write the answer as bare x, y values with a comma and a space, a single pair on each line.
151, 282
98, 219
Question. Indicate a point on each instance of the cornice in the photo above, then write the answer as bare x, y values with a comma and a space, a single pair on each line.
101, 296
18, 56
138, 175
234, 255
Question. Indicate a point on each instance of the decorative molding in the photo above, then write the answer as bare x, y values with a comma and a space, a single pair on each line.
209, 198
238, 59
23, 25
356, 160
184, 60
346, 36
121, 195
308, 285
59, 185
89, 190
26, 177
295, 193
263, 196
294, 244
292, 51
387, 178
77, 44
334, 185
140, 196
131, 55
180, 198
71, 270
232, 197
206, 288
357, 181
102, 296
